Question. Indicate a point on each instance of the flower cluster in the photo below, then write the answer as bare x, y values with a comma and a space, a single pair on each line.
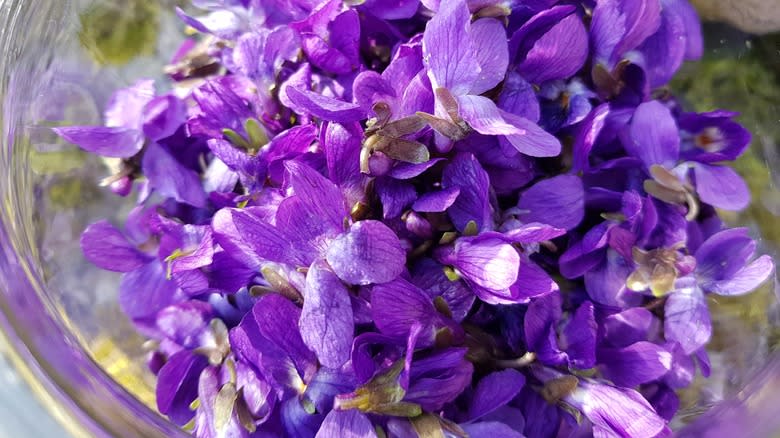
424, 218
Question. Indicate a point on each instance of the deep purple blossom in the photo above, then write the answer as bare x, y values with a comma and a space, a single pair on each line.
359, 218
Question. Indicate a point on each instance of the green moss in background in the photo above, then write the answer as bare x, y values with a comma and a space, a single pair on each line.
119, 30
48, 163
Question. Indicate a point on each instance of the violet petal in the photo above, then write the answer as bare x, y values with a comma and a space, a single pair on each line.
108, 248
116, 142
326, 319
557, 201
369, 252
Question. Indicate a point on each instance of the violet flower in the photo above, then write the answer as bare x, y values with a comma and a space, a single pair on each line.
145, 287
612, 411
355, 219
653, 137
464, 60
723, 267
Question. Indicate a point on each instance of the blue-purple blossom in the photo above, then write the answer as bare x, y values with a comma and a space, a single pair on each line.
359, 219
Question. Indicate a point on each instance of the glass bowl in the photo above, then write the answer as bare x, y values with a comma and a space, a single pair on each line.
61, 327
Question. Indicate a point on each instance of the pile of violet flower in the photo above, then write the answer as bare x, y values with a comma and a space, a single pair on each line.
402, 218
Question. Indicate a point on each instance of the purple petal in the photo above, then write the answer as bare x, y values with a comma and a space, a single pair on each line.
586, 253
108, 248
745, 280
636, 364
539, 326
170, 178
296, 420
492, 53
629, 326
145, 291
580, 337
109, 142
125, 109
197, 244
346, 424
542, 419
483, 116
532, 281
606, 284
653, 136
272, 329
336, 51
323, 107
559, 54
411, 170
248, 52
321, 197
369, 252
436, 202
241, 233
587, 134
487, 261
683, 368
177, 385
370, 87
228, 274
234, 158
186, 324
616, 411
448, 49
391, 10
299, 80
398, 305
694, 46
494, 391
418, 96
222, 23
727, 138
664, 51
473, 203
557, 201
293, 141
723, 254
220, 105
326, 319
342, 144
395, 196
533, 233
534, 141
439, 378
322, 55
507, 415
620, 26
721, 187
193, 283
429, 276
163, 116
306, 232
530, 32
490, 429
518, 97
665, 402
687, 319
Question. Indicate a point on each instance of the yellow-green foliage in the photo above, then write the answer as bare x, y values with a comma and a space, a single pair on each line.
119, 30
